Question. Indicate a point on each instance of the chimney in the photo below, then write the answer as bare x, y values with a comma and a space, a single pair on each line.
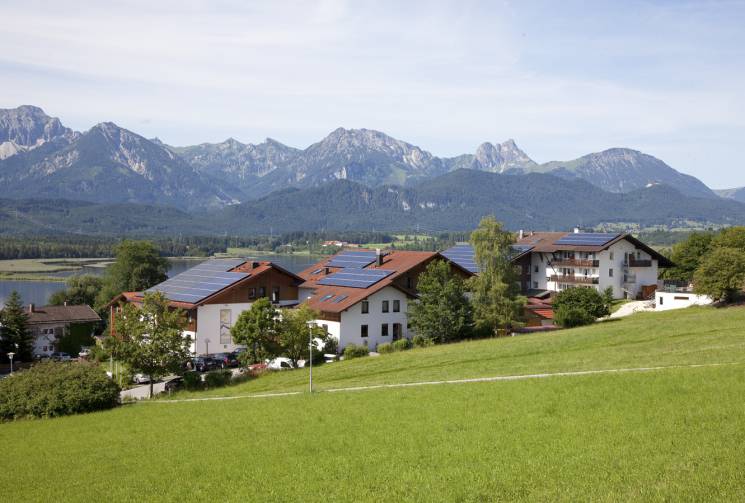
520, 234
378, 257
254, 265
30, 308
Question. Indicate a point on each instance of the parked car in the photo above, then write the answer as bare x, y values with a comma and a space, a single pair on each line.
204, 364
280, 363
226, 360
257, 367
140, 379
60, 357
84, 353
173, 384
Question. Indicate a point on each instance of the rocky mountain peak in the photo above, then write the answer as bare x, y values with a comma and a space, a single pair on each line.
27, 127
501, 157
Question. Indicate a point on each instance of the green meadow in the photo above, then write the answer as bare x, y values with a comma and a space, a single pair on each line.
672, 434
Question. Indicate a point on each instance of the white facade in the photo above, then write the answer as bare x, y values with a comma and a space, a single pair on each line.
213, 327
45, 338
622, 267
665, 301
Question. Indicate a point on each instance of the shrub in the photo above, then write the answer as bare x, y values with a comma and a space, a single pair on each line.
218, 378
588, 300
569, 316
331, 346
420, 341
192, 381
56, 389
355, 351
401, 344
384, 348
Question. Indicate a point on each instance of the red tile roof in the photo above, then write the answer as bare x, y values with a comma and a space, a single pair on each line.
62, 314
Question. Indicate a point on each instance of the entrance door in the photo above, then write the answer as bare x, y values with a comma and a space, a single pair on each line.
396, 331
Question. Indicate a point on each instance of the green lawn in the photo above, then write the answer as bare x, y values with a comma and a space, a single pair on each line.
670, 435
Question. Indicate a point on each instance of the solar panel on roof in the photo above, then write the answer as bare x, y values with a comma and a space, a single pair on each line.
325, 298
352, 259
200, 281
463, 255
339, 299
357, 278
586, 239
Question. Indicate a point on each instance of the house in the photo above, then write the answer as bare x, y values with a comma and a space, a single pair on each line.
214, 293
363, 295
555, 261
673, 297
61, 328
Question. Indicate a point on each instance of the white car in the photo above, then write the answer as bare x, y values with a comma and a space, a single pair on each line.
280, 363
84, 353
141, 378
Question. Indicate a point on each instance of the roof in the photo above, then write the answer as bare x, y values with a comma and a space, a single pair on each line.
335, 299
62, 314
550, 242
199, 284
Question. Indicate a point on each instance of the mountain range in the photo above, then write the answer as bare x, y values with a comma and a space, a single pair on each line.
352, 177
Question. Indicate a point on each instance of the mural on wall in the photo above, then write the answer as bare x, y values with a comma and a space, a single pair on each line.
225, 321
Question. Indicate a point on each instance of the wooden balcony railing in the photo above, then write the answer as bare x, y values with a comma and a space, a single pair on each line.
571, 278
571, 262
639, 263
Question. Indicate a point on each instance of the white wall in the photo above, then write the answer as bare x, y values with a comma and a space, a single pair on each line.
665, 301
352, 319
208, 327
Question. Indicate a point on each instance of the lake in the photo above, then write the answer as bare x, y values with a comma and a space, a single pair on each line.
38, 292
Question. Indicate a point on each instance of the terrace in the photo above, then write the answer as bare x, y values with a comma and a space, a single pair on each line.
571, 278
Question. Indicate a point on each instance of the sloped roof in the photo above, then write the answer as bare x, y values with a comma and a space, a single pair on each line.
62, 314
335, 299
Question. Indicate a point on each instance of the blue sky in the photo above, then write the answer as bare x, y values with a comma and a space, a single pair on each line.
561, 78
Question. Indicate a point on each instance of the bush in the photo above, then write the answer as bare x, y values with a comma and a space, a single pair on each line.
192, 381
384, 348
420, 341
331, 346
588, 300
569, 316
355, 351
218, 378
56, 389
401, 345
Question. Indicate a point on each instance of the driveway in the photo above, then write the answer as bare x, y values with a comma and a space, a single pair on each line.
629, 308
142, 392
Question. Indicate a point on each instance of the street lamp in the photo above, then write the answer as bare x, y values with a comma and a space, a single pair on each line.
311, 324
10, 356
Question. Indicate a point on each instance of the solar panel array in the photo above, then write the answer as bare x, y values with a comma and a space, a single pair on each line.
586, 238
462, 255
355, 278
201, 281
352, 259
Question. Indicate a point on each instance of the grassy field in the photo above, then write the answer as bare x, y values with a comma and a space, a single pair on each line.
669, 435
40, 269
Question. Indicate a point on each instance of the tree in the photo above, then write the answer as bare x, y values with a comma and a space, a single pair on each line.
14, 333
137, 267
731, 237
150, 339
293, 333
687, 255
608, 298
256, 328
721, 274
496, 300
80, 290
580, 306
443, 313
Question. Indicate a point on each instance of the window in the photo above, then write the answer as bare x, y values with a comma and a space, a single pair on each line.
661, 300
252, 293
384, 330
365, 307
611, 255
363, 330
275, 294
262, 291
385, 306
610, 272
535, 269
396, 331
396, 306
535, 284
409, 282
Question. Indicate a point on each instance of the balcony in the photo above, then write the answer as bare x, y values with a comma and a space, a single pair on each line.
571, 278
571, 262
638, 263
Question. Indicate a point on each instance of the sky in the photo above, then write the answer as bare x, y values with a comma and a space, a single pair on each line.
562, 79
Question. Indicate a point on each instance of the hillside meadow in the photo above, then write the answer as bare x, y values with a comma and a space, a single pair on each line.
670, 434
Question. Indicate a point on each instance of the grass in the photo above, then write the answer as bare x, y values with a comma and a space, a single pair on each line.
669, 435
39, 269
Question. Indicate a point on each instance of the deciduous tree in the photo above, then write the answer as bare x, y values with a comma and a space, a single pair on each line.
442, 313
137, 267
496, 292
294, 332
79, 290
721, 274
150, 339
256, 328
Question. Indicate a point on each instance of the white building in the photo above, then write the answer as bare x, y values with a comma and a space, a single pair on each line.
61, 328
665, 300
214, 293
363, 297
